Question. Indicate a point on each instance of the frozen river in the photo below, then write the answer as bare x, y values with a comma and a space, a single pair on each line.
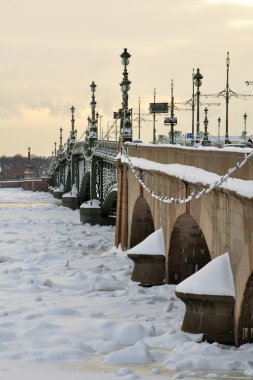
69, 309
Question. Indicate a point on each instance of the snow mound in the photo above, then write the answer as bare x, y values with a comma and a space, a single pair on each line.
152, 245
94, 203
215, 278
137, 354
123, 333
169, 341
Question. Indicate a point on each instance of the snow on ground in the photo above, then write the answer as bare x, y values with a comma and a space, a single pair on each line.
69, 309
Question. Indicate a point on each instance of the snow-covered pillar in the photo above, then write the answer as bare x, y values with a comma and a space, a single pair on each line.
209, 297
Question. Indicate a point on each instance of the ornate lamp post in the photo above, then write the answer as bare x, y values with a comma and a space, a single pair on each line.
154, 129
72, 109
60, 146
72, 137
219, 120
227, 99
94, 118
197, 80
193, 107
205, 138
172, 107
126, 124
245, 130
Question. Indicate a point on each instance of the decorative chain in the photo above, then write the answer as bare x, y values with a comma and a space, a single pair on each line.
194, 194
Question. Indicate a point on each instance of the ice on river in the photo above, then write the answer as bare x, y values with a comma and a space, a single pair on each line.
69, 309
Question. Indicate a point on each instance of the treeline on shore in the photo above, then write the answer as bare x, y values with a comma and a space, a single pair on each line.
14, 167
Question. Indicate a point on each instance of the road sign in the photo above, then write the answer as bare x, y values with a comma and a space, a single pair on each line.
158, 107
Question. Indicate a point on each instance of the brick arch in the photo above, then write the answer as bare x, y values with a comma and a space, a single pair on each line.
142, 222
188, 251
245, 326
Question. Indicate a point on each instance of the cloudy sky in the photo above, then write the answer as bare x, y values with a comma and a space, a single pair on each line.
51, 51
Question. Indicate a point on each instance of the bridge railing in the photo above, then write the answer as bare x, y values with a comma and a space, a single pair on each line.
107, 147
217, 161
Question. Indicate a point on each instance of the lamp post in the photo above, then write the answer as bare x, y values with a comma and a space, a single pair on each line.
72, 138
72, 133
227, 98
193, 108
245, 121
93, 120
205, 137
172, 114
154, 130
139, 119
198, 83
60, 146
125, 124
219, 120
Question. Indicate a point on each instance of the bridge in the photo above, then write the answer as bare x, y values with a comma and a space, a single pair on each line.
195, 195
201, 199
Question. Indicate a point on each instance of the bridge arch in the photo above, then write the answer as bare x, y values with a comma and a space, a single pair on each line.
245, 326
142, 222
188, 250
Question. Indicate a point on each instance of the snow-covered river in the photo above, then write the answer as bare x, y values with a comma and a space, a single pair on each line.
69, 309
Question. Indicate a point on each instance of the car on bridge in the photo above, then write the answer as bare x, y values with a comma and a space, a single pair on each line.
243, 144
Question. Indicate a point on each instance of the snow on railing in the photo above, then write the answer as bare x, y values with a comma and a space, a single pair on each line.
194, 195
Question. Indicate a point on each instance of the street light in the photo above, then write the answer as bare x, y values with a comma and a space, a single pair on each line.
219, 120
125, 122
227, 99
72, 138
193, 108
205, 137
245, 121
94, 118
154, 129
198, 83
60, 146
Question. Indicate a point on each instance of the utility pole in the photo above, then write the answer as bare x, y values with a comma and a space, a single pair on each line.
193, 107
172, 114
154, 130
139, 120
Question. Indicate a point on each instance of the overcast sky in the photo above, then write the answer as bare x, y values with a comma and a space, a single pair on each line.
51, 51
